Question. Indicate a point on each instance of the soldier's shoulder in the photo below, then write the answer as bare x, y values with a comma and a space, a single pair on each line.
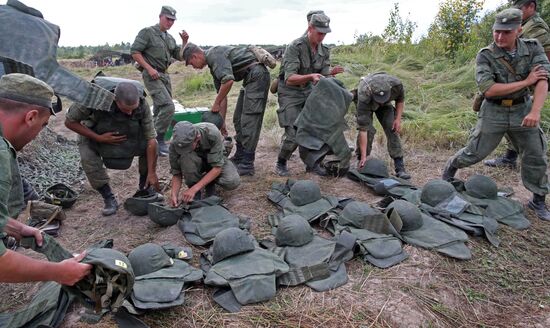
532, 43
297, 42
488, 49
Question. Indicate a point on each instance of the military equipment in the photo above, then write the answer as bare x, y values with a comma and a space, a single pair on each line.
375, 167
139, 202
304, 192
147, 258
60, 194
263, 56
164, 215
214, 118
480, 186
230, 242
436, 191
293, 230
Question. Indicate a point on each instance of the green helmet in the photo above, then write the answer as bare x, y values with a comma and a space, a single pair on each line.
293, 230
375, 167
148, 258
436, 191
356, 213
164, 215
480, 186
214, 118
304, 192
231, 242
138, 203
410, 214
60, 194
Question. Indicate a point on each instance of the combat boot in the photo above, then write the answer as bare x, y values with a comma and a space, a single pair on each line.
317, 169
400, 168
162, 146
449, 172
238, 156
246, 165
227, 146
281, 167
111, 205
507, 160
538, 205
142, 181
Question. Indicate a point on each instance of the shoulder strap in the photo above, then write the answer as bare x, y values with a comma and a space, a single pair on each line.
507, 64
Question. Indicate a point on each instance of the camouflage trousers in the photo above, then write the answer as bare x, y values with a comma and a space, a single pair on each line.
193, 168
160, 91
291, 102
93, 166
249, 112
386, 116
493, 123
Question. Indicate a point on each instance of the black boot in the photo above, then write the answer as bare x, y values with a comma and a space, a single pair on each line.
111, 205
400, 168
538, 205
507, 160
238, 156
281, 167
246, 165
162, 146
317, 169
210, 189
142, 181
449, 172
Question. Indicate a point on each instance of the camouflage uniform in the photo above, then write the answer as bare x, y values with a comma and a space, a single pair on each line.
298, 59
385, 113
230, 63
209, 153
91, 161
495, 120
158, 48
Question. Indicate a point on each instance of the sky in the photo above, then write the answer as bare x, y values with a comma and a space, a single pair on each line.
221, 22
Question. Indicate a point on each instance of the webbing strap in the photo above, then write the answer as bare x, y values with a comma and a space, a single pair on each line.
297, 276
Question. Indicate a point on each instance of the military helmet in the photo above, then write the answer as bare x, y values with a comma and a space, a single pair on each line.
138, 203
214, 118
60, 194
375, 167
410, 214
231, 242
149, 258
356, 213
293, 230
164, 215
481, 186
436, 191
304, 192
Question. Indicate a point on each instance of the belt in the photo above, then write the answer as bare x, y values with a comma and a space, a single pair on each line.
507, 102
246, 68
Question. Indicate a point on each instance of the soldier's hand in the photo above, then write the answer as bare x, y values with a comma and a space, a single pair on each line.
315, 77
537, 73
362, 162
337, 70
188, 195
153, 73
531, 120
22, 230
111, 138
72, 271
174, 201
153, 181
396, 126
184, 37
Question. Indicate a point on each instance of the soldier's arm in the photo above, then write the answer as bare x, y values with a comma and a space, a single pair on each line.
541, 91
362, 140
152, 155
222, 95
292, 66
212, 175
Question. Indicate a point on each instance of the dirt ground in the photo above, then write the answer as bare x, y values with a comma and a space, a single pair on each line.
500, 287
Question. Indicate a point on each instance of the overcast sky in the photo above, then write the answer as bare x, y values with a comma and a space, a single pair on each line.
219, 22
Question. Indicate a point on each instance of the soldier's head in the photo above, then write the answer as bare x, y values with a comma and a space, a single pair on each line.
127, 97
25, 107
194, 56
507, 28
167, 17
527, 7
186, 137
319, 26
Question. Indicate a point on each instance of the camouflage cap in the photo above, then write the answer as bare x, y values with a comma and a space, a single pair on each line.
508, 19
320, 22
184, 135
26, 89
519, 3
379, 89
313, 12
168, 12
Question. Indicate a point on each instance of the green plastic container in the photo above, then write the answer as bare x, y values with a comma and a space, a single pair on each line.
193, 115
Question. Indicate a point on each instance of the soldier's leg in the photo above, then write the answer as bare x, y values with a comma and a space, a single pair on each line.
508, 159
238, 156
192, 169
386, 117
142, 168
371, 131
160, 91
229, 179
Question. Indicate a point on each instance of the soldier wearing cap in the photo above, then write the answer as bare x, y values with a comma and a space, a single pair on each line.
196, 156
375, 94
25, 108
532, 27
153, 49
506, 71
305, 61
228, 64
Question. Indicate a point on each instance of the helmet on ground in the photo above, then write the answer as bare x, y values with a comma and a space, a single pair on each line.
410, 214
148, 258
293, 230
60, 194
375, 167
304, 192
138, 203
436, 191
164, 215
480, 186
231, 242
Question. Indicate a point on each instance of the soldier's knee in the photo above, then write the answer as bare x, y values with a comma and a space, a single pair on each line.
232, 183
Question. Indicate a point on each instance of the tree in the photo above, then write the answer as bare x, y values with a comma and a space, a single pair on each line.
398, 30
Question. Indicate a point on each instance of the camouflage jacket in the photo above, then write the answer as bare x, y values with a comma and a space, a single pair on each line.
535, 27
300, 59
227, 63
157, 47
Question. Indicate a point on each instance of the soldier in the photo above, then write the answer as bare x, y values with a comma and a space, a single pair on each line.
506, 70
374, 96
532, 27
229, 64
153, 49
25, 108
113, 138
305, 61
196, 154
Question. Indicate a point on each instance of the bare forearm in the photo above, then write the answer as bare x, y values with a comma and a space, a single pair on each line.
152, 155
363, 139
540, 94
297, 79
176, 185
209, 177
504, 89
15, 267
399, 108
223, 92
138, 57
81, 129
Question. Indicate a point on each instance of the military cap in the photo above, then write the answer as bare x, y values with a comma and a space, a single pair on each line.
168, 12
313, 12
184, 135
149, 258
508, 19
320, 22
26, 89
380, 89
519, 3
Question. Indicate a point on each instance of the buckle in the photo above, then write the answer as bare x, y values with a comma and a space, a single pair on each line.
507, 102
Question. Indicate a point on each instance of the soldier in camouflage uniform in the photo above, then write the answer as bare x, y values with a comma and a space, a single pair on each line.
375, 94
196, 156
153, 49
127, 129
25, 108
229, 64
532, 27
305, 61
506, 70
